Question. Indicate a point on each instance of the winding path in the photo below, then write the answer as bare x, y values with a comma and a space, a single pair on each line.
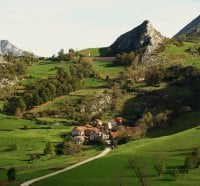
28, 183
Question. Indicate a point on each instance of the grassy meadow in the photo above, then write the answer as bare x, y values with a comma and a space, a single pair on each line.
33, 140
173, 142
113, 169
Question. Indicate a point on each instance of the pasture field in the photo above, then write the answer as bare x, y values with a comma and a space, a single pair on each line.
32, 140
113, 169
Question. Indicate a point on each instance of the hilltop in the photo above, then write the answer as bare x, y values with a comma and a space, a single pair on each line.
144, 37
6, 47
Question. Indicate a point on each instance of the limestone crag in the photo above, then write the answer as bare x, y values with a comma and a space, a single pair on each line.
144, 38
6, 47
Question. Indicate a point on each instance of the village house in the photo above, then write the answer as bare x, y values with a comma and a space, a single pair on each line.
78, 131
98, 123
81, 133
99, 131
96, 136
114, 123
79, 139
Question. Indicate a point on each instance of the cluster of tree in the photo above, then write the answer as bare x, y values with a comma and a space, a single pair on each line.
12, 70
49, 88
156, 108
140, 169
27, 58
177, 74
192, 161
195, 51
72, 55
81, 109
148, 120
126, 59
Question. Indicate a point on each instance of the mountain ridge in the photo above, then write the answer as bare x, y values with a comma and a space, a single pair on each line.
191, 30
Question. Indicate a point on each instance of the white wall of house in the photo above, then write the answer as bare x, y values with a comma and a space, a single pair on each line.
76, 132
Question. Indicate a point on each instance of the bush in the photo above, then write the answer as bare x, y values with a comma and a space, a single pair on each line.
11, 174
122, 140
175, 173
69, 148
49, 148
125, 59
192, 160
159, 164
12, 147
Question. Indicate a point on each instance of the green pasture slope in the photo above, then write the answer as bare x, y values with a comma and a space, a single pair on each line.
94, 52
174, 143
113, 169
179, 54
32, 141
43, 69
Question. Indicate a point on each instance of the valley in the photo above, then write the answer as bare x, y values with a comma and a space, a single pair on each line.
138, 97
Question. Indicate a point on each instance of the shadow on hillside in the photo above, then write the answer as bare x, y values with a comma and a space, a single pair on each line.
49, 62
171, 98
108, 65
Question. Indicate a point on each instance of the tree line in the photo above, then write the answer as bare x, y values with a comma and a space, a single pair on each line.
49, 88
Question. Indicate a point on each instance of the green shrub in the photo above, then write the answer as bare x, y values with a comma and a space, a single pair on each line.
11, 174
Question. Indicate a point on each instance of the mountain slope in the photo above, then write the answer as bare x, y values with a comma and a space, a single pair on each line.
144, 37
190, 32
6, 47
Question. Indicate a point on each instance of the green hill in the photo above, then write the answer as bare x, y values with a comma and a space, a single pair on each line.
173, 141
112, 169
94, 52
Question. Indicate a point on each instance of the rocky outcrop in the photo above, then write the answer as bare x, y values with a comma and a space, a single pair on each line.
6, 47
96, 104
144, 38
190, 32
4, 82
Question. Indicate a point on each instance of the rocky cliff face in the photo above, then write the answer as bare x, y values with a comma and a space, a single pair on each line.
144, 37
190, 32
6, 47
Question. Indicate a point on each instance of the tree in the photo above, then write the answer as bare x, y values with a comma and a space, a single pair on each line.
159, 164
175, 173
12, 147
61, 54
192, 161
188, 163
18, 112
49, 148
11, 174
70, 148
140, 170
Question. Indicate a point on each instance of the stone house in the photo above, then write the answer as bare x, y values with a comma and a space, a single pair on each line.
96, 136
79, 131
79, 139
98, 123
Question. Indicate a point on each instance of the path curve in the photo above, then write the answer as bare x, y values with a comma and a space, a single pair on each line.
28, 183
